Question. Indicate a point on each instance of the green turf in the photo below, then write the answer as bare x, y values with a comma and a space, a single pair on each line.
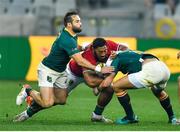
75, 115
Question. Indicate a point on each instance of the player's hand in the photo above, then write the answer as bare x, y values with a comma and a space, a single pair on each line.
123, 46
107, 82
84, 47
113, 54
107, 69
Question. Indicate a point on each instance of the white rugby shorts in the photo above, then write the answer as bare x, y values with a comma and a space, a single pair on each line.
152, 73
50, 78
74, 80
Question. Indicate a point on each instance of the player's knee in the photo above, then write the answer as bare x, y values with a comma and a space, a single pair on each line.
91, 84
116, 89
61, 101
156, 91
163, 95
109, 90
48, 104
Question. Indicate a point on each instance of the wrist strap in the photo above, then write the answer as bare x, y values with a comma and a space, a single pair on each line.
108, 62
84, 46
98, 68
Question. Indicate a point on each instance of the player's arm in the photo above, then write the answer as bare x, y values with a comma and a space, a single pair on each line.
107, 81
84, 63
91, 78
84, 46
117, 46
115, 49
74, 53
123, 46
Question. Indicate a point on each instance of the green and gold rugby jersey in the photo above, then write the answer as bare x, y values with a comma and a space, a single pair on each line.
63, 47
127, 62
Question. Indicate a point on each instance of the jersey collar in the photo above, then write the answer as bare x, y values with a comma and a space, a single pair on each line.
65, 29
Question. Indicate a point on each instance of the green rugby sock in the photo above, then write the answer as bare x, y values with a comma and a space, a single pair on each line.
28, 90
34, 108
98, 110
126, 104
167, 107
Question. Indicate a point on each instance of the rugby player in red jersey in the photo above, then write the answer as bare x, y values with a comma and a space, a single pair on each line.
98, 53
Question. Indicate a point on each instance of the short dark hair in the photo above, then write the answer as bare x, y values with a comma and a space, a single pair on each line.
68, 18
98, 42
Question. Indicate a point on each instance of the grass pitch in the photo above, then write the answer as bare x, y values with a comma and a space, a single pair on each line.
75, 115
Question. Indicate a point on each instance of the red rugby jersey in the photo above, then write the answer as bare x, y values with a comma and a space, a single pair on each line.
89, 55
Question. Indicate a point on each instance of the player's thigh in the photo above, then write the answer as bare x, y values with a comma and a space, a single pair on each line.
46, 76
62, 81
60, 95
46, 80
122, 83
60, 88
73, 83
74, 80
47, 95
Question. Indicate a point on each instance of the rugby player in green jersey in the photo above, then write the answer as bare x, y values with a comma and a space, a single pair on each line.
143, 70
52, 77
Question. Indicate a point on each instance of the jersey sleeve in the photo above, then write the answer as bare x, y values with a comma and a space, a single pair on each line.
88, 55
116, 65
112, 45
115, 46
71, 48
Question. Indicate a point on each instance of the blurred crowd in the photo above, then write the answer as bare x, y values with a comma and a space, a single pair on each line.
171, 3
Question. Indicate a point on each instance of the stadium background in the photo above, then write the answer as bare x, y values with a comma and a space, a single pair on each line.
29, 27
